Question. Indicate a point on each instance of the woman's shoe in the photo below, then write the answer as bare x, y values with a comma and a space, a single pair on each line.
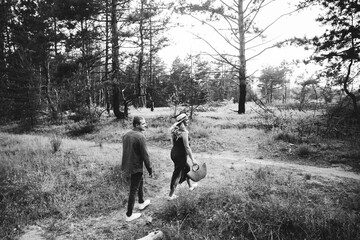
173, 197
193, 186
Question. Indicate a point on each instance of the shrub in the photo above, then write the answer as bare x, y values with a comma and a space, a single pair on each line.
160, 121
226, 125
200, 133
159, 134
286, 137
80, 128
303, 150
55, 142
179, 210
262, 173
198, 130
91, 115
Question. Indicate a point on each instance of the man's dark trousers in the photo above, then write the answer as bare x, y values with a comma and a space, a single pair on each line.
136, 186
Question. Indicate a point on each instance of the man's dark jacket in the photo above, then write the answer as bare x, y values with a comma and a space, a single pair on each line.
135, 153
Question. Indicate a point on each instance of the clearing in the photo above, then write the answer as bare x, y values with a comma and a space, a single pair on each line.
225, 168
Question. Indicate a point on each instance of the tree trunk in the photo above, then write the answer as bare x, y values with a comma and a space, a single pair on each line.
106, 77
242, 67
242, 97
126, 109
51, 105
115, 61
350, 94
55, 39
141, 89
152, 85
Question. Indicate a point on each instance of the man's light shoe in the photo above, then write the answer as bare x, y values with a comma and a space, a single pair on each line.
142, 206
133, 217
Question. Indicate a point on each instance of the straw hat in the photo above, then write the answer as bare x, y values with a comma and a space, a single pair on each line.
181, 117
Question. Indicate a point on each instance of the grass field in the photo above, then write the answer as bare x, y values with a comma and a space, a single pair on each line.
268, 179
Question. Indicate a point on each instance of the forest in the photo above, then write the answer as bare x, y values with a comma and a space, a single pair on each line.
88, 57
85, 57
282, 149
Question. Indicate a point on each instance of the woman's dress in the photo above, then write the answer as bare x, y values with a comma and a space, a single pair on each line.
179, 157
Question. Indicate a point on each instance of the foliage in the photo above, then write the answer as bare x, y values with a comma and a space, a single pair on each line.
55, 56
340, 120
291, 124
188, 83
20, 76
320, 133
241, 30
337, 48
157, 89
221, 85
139, 87
31, 40
272, 78
306, 94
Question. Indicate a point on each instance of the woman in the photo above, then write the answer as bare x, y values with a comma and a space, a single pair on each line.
179, 152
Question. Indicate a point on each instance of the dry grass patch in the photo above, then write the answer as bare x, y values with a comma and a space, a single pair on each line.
69, 179
266, 206
37, 182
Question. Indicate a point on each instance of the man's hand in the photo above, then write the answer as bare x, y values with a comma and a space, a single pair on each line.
150, 173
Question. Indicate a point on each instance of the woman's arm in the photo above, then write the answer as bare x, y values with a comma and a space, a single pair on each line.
185, 138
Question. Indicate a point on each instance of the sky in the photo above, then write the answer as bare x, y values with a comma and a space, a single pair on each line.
183, 42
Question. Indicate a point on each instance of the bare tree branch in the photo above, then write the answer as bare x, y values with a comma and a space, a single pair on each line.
227, 5
216, 30
265, 49
264, 43
272, 23
257, 10
222, 58
213, 48
247, 6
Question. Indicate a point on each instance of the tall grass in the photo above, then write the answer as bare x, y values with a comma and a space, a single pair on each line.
38, 181
267, 206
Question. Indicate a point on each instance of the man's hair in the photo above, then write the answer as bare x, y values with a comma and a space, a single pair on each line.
136, 120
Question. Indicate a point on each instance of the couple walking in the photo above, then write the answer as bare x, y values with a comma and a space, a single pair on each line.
135, 155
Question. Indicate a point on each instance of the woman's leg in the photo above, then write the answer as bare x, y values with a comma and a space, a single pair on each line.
188, 182
175, 180
187, 169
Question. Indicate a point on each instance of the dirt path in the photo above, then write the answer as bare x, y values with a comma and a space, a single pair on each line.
223, 167
235, 160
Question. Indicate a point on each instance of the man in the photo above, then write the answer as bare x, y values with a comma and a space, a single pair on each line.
134, 156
